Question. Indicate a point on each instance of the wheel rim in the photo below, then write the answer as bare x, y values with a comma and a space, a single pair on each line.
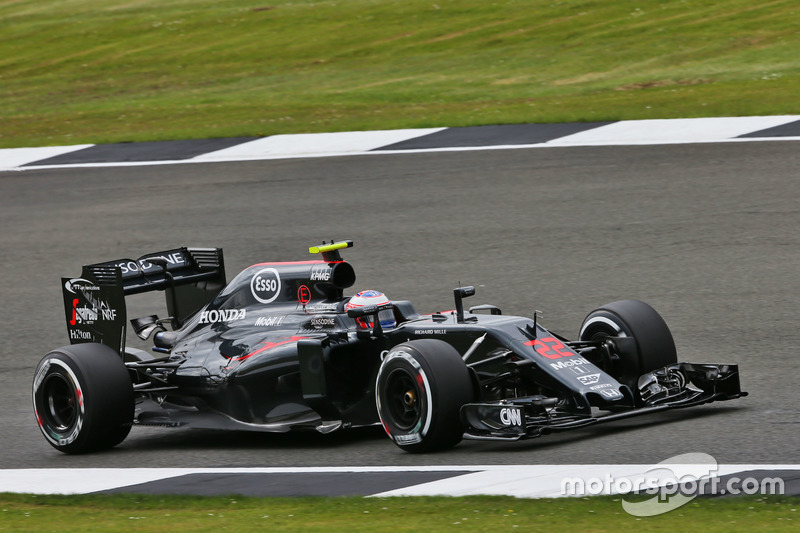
402, 400
600, 335
600, 332
60, 402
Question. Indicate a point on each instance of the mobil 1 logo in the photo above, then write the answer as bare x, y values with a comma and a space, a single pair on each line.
266, 285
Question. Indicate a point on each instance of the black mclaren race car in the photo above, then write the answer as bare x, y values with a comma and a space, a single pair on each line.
282, 348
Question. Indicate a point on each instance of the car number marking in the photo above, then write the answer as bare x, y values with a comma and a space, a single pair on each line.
550, 347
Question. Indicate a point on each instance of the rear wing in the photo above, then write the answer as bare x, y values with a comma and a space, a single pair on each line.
94, 304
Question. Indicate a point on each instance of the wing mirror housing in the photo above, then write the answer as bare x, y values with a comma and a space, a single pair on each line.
459, 294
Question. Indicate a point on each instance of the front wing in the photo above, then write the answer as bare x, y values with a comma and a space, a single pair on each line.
534, 416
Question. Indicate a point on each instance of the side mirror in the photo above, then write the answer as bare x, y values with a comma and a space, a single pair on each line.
459, 294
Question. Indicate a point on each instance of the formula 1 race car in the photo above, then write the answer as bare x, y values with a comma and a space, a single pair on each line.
281, 347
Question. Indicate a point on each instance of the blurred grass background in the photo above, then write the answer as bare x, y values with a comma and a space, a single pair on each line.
91, 71
111, 513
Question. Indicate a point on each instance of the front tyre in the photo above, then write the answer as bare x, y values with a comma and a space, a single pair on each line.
420, 388
83, 398
654, 345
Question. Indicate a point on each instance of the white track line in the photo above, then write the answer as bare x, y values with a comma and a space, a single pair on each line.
623, 133
523, 481
671, 131
11, 158
304, 145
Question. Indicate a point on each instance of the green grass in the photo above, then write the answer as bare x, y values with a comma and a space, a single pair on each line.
75, 71
173, 514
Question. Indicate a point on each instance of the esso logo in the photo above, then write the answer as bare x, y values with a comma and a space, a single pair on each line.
266, 285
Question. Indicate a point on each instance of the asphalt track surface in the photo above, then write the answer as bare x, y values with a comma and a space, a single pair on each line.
706, 233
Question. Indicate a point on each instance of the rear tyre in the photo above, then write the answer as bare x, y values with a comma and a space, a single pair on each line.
83, 398
654, 346
421, 386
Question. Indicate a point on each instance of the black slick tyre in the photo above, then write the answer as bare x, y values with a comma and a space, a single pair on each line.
83, 398
654, 346
421, 386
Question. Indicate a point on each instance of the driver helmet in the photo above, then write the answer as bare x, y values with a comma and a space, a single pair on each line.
371, 297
